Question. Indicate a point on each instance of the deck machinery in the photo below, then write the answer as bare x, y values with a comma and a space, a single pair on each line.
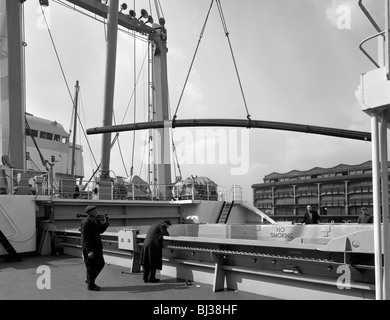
326, 261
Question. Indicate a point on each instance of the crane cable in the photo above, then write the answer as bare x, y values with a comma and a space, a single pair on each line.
185, 85
224, 24
234, 59
192, 62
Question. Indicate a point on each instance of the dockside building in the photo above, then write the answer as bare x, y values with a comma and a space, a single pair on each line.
337, 193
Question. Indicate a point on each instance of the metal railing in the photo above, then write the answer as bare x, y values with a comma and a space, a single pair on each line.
16, 182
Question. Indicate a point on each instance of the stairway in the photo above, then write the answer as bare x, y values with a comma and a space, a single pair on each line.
9, 248
225, 212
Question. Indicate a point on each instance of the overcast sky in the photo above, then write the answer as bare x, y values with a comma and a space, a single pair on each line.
298, 60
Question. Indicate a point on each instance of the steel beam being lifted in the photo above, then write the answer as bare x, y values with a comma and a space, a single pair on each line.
334, 132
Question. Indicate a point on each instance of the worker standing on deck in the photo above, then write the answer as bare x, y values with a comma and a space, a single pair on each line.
92, 246
311, 216
365, 217
151, 253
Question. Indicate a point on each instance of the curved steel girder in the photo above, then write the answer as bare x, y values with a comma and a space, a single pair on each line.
334, 132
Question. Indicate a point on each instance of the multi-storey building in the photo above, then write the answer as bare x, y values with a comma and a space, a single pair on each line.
337, 193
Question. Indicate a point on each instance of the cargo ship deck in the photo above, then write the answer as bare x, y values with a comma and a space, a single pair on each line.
19, 281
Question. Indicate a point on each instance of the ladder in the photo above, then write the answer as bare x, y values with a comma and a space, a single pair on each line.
225, 212
8, 247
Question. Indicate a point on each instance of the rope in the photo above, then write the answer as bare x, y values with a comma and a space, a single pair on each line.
234, 60
193, 60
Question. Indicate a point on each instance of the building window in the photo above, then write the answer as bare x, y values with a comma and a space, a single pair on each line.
32, 132
46, 135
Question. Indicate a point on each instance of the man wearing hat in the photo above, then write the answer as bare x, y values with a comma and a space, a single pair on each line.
151, 253
365, 217
92, 246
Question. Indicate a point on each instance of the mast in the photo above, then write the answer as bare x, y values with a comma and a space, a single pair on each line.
73, 163
13, 105
112, 38
162, 142
157, 35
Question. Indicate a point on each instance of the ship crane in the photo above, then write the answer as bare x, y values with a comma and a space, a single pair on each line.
166, 123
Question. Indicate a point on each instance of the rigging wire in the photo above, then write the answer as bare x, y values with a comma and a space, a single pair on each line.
145, 92
133, 98
56, 52
150, 114
116, 139
135, 36
36, 166
132, 95
135, 102
157, 4
234, 59
193, 59
82, 127
150, 7
174, 146
23, 67
66, 82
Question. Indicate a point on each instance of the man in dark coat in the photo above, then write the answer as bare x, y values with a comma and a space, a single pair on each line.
151, 253
92, 246
311, 216
365, 217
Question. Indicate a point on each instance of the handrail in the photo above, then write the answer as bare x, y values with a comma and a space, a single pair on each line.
365, 52
368, 15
